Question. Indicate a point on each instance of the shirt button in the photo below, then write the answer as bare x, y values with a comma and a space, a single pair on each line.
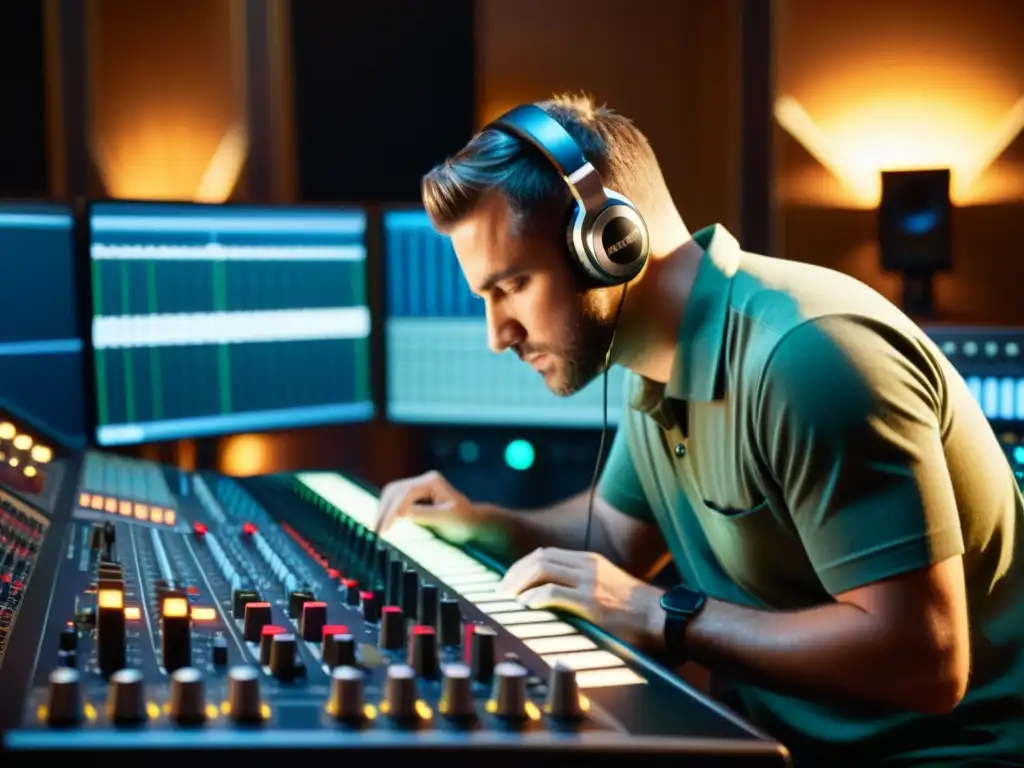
680, 450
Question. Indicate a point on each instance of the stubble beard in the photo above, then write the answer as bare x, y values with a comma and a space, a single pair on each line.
585, 347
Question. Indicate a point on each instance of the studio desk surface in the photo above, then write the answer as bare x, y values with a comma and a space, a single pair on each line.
144, 610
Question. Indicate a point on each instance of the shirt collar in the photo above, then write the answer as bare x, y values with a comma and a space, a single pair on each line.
696, 373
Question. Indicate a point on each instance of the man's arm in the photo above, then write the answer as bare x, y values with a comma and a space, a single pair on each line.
631, 543
849, 429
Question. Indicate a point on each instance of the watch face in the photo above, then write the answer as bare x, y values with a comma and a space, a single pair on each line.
682, 600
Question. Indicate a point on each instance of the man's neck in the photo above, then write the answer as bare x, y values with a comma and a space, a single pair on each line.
654, 309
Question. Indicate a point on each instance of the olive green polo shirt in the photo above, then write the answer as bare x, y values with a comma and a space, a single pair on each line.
810, 440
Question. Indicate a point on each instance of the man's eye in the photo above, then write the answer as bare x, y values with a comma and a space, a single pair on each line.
516, 284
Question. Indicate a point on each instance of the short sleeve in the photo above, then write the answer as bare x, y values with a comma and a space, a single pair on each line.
620, 485
849, 426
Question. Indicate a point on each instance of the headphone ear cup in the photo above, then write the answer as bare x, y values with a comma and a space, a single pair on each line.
575, 242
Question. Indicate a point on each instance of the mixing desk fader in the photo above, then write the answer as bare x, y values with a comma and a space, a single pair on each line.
150, 610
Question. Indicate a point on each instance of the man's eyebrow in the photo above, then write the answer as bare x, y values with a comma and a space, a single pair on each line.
496, 277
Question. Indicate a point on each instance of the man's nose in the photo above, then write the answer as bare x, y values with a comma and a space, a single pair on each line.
502, 330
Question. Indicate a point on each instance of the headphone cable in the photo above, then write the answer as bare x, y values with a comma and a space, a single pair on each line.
604, 422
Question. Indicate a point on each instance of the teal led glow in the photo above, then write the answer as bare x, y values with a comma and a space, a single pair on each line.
519, 455
1018, 454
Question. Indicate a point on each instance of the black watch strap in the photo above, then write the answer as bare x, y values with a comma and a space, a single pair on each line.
680, 604
675, 637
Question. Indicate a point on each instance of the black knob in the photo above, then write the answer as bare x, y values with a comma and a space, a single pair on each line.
346, 701
410, 592
381, 567
283, 657
188, 705
244, 702
339, 650
400, 692
176, 634
68, 639
371, 606
427, 613
64, 703
220, 650
392, 628
563, 701
296, 600
423, 651
270, 631
257, 616
509, 693
450, 624
457, 693
351, 591
482, 653
239, 599
394, 586
110, 631
314, 619
126, 701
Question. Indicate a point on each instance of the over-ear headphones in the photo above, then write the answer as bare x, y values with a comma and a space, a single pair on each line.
605, 232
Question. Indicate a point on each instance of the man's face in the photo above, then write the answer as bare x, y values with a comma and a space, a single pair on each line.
536, 304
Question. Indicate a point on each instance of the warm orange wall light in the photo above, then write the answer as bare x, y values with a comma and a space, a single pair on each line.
864, 135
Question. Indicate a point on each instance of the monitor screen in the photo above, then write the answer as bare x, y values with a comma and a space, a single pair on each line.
40, 342
439, 367
991, 361
215, 319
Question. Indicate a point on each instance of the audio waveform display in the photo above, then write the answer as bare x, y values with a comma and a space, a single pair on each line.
440, 369
40, 341
216, 319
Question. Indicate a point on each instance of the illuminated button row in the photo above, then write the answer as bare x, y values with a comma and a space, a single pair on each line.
541, 631
128, 509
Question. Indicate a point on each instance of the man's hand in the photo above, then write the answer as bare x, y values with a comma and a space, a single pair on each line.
591, 587
431, 501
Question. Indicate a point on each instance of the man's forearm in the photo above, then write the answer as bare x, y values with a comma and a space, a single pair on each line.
835, 653
510, 534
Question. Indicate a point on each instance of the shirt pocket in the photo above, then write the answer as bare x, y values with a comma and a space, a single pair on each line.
763, 555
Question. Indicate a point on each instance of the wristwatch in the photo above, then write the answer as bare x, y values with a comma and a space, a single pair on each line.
680, 604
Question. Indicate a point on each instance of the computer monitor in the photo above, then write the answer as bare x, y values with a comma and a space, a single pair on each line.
439, 367
40, 339
218, 319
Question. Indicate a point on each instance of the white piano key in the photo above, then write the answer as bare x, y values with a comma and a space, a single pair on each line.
504, 606
561, 644
584, 659
524, 617
608, 678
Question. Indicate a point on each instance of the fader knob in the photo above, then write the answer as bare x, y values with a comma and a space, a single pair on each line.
257, 616
126, 701
410, 591
266, 641
68, 639
370, 606
339, 650
283, 650
509, 692
481, 657
188, 706
314, 618
392, 628
244, 701
346, 702
423, 651
352, 593
64, 706
220, 650
563, 699
427, 613
400, 692
457, 693
449, 630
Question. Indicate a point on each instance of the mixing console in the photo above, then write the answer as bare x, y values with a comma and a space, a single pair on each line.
147, 609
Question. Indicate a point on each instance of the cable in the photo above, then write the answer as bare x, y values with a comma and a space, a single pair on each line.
604, 422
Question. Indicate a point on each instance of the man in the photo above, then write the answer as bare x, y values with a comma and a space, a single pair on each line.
848, 531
